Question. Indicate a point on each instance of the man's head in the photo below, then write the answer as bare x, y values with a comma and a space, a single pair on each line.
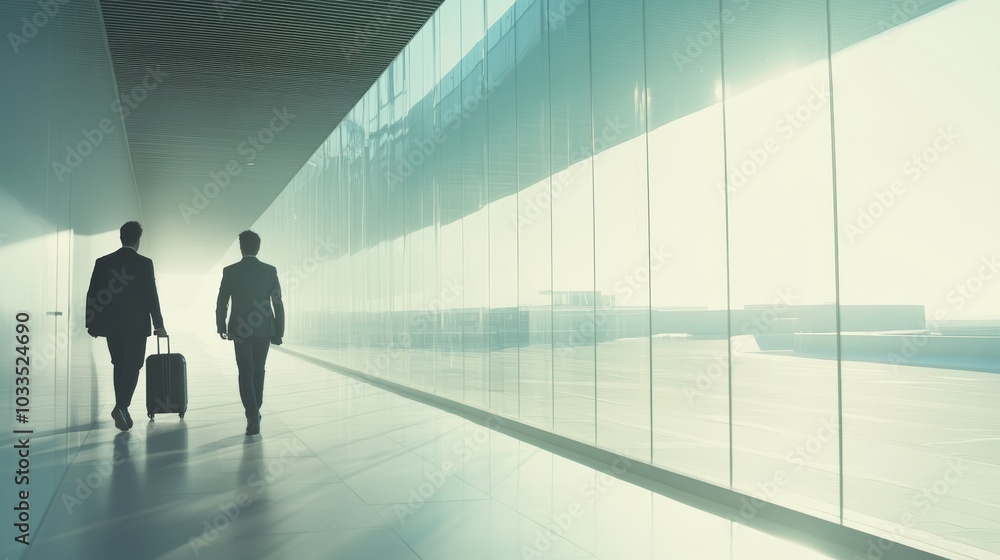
130, 234
249, 243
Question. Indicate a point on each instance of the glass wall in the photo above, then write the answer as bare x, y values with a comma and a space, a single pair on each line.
749, 241
918, 266
66, 186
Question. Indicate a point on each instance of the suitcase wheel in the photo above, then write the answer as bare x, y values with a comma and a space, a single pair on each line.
150, 414
182, 416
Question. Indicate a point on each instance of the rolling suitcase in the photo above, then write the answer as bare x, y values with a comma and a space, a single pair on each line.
166, 382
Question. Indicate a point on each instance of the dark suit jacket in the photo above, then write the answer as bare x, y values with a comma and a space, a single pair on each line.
254, 289
122, 295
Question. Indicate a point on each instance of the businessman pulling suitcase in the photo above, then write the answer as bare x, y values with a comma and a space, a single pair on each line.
166, 382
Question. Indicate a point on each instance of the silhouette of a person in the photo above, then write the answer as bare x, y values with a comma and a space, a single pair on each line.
257, 320
120, 302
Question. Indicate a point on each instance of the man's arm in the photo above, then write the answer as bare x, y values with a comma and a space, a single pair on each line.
222, 305
154, 304
91, 312
279, 309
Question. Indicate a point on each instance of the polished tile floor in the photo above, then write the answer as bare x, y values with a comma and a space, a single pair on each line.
342, 469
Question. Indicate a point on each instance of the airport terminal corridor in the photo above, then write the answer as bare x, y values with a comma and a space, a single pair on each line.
536, 279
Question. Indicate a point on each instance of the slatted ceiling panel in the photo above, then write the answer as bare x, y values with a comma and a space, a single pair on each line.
228, 66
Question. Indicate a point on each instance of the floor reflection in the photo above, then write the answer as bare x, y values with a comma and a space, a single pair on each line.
345, 470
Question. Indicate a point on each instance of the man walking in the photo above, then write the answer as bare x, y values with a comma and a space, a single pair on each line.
120, 302
257, 320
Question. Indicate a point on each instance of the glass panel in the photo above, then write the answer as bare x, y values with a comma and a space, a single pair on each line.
687, 231
475, 211
502, 189
447, 147
574, 299
781, 256
420, 322
432, 313
534, 218
621, 228
916, 126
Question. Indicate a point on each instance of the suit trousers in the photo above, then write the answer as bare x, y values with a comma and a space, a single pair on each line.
251, 353
128, 353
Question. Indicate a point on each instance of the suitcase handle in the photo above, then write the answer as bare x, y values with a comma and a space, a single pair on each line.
158, 344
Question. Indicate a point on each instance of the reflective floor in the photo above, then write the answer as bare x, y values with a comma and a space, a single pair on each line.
345, 470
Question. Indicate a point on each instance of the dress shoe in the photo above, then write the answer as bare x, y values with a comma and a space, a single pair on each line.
121, 421
253, 428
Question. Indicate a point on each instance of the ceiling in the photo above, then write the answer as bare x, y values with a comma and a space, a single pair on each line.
200, 78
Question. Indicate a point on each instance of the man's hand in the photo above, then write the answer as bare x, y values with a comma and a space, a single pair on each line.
160, 332
223, 336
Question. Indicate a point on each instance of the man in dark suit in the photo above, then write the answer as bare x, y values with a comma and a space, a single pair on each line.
120, 302
257, 321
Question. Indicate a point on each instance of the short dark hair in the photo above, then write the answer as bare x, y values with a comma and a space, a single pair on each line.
130, 233
249, 243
